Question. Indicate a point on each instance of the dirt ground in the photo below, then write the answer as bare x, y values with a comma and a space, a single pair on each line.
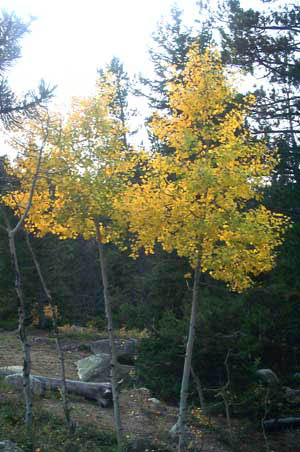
141, 418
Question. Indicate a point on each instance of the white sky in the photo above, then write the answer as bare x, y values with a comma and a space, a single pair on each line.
70, 39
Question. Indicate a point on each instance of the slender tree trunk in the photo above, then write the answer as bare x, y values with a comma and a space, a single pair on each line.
18, 287
187, 366
200, 391
107, 301
66, 406
22, 331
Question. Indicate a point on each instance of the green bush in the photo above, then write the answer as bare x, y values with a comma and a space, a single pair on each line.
9, 324
159, 366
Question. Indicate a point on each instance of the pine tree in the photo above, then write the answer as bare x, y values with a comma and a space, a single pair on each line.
266, 44
12, 109
171, 43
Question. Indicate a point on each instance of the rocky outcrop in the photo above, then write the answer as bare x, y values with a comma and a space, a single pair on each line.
267, 376
124, 347
96, 368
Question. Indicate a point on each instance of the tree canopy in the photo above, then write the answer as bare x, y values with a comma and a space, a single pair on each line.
198, 201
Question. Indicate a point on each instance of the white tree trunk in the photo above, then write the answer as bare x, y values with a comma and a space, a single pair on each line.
107, 300
22, 331
66, 407
11, 232
181, 423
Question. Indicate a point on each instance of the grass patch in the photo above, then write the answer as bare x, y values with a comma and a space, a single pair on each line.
50, 432
92, 333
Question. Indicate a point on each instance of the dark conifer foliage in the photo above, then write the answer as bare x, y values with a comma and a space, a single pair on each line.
171, 43
12, 29
120, 108
266, 44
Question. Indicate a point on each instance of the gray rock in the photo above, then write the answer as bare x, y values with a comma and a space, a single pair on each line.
123, 347
8, 446
267, 376
292, 395
96, 368
154, 400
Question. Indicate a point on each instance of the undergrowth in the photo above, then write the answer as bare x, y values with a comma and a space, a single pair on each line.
50, 433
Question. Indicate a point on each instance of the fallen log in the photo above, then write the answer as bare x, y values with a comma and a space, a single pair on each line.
101, 392
279, 424
10, 370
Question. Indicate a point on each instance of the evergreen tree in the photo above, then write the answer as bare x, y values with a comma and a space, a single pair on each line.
12, 112
171, 43
266, 44
115, 75
12, 29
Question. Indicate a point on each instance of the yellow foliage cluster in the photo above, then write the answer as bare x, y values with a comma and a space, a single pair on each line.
71, 330
132, 333
197, 200
49, 311
203, 200
84, 164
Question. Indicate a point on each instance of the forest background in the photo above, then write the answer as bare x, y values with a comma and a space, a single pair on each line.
260, 327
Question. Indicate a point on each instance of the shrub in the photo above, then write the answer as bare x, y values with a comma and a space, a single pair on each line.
159, 366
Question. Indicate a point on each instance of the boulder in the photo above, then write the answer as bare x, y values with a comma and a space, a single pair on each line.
267, 376
292, 396
154, 400
96, 368
123, 347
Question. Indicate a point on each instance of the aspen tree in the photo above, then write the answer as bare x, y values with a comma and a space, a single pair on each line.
28, 145
204, 200
86, 164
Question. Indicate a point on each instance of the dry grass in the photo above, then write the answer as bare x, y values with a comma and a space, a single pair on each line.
141, 418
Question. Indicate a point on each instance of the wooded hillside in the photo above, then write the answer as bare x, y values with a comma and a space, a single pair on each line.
192, 241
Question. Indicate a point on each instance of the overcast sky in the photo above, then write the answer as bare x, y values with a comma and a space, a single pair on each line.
70, 39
